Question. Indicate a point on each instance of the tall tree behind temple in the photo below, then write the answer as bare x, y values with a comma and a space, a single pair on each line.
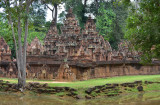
79, 9
54, 8
104, 20
112, 17
119, 23
38, 16
94, 6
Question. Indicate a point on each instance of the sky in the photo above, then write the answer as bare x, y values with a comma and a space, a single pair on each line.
49, 13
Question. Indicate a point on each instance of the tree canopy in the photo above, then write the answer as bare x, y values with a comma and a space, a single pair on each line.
143, 29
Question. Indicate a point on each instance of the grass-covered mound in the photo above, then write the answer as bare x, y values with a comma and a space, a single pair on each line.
92, 88
93, 82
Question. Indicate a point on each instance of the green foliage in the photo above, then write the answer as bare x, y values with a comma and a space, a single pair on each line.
52, 2
61, 17
110, 21
104, 21
6, 33
59, 27
143, 29
38, 16
119, 23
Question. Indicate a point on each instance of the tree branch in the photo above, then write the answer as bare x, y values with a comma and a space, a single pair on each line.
49, 7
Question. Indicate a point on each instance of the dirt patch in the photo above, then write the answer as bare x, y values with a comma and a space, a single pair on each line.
40, 81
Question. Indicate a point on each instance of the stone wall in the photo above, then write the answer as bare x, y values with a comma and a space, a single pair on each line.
79, 71
8, 69
5, 52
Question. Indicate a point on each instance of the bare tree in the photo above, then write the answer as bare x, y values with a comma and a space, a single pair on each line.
54, 7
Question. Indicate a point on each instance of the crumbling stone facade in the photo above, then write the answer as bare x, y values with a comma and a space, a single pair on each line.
73, 44
125, 52
70, 47
7, 68
5, 52
75, 54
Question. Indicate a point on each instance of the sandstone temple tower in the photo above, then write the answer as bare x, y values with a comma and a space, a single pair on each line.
74, 44
70, 47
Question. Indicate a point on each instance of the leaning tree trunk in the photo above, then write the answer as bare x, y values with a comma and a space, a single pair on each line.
85, 3
15, 44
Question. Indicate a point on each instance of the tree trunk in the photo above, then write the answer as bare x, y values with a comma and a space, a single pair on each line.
25, 47
55, 13
96, 6
20, 55
85, 3
15, 43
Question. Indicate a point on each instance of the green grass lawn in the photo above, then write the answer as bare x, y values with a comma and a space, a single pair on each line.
102, 81
95, 82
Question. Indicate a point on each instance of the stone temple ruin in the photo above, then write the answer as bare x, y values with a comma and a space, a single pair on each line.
75, 54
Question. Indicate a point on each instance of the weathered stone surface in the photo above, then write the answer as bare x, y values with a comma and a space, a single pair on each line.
15, 86
99, 87
67, 88
129, 84
97, 91
138, 82
45, 85
140, 88
88, 97
73, 93
148, 82
115, 85
89, 90
125, 52
78, 97
35, 48
5, 52
65, 73
110, 87
108, 84
72, 89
